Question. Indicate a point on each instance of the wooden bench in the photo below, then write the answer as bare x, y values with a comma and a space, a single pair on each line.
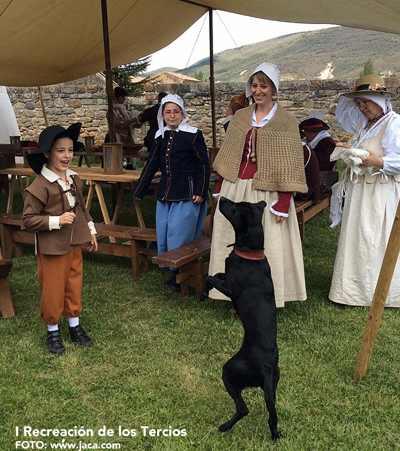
306, 209
13, 236
192, 262
135, 248
6, 303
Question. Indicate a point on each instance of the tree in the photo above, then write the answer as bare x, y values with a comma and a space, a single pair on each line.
368, 68
199, 75
122, 75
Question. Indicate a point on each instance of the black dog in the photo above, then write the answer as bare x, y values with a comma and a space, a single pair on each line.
247, 281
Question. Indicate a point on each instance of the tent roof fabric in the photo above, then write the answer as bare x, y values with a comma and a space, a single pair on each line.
52, 41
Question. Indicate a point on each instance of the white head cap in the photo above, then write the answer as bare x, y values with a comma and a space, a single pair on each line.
271, 71
383, 101
170, 98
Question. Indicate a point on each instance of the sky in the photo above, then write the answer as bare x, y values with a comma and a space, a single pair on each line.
243, 30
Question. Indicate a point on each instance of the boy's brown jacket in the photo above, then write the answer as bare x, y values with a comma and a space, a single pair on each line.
44, 199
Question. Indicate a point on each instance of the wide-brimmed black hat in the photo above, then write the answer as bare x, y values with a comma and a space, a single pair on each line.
37, 159
313, 124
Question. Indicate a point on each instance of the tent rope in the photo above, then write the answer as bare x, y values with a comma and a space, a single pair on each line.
226, 28
191, 53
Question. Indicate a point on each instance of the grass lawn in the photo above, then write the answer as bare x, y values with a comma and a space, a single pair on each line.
157, 362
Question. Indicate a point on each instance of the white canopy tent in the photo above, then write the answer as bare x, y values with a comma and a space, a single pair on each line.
46, 42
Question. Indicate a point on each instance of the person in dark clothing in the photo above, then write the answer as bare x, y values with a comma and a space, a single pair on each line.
150, 115
180, 153
313, 178
315, 132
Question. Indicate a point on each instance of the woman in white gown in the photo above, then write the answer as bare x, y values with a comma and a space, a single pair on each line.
371, 198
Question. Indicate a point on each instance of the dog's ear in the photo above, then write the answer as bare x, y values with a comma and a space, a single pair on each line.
261, 205
225, 200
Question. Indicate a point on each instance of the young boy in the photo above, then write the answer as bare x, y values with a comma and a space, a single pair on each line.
54, 208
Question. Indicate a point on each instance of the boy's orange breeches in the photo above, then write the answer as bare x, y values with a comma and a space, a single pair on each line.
60, 277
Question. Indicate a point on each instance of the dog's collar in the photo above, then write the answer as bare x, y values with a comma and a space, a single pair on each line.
250, 255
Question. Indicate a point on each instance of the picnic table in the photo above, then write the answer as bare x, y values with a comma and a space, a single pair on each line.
95, 177
127, 151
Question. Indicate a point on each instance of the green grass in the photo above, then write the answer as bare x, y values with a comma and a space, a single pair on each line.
157, 362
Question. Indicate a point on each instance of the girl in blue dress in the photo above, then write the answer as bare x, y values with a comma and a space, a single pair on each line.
180, 153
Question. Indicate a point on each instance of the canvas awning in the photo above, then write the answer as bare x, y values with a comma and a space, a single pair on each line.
53, 41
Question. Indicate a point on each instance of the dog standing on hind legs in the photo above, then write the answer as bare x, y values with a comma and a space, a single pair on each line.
247, 281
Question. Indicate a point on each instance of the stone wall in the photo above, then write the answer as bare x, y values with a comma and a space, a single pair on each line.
85, 101
81, 100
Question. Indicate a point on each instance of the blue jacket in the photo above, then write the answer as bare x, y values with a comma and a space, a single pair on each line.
183, 161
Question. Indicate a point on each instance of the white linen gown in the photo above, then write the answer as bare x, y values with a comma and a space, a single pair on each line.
369, 209
282, 243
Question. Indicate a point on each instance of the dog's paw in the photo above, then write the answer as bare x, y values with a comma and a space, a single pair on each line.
225, 427
203, 296
276, 436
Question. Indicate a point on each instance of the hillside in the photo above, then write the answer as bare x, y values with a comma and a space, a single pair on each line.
155, 72
305, 55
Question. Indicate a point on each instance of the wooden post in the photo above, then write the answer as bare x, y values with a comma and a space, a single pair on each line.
109, 83
379, 300
43, 107
212, 78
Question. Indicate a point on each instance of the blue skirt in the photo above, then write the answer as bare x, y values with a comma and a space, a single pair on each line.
178, 223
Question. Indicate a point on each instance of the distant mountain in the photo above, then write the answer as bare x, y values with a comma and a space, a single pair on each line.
305, 55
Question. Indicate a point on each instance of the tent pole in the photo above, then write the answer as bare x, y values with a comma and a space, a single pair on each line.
109, 83
43, 107
379, 300
212, 79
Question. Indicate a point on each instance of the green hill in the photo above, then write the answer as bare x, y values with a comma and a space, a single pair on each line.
305, 55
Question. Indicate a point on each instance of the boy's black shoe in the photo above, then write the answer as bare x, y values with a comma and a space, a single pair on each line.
79, 336
54, 342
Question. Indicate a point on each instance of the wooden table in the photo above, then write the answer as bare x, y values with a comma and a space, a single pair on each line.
94, 177
127, 151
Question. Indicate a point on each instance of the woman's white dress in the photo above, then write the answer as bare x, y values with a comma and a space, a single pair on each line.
370, 206
282, 242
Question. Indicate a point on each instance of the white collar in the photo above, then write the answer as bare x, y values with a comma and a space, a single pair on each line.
321, 135
265, 119
182, 127
52, 176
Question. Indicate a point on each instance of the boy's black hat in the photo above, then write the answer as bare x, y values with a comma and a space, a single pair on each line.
37, 159
313, 124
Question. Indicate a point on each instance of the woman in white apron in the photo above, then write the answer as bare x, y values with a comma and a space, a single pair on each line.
370, 197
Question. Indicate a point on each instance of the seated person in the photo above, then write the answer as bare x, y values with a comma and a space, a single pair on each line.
315, 132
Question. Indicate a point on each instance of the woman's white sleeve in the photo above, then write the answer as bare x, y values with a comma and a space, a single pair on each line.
391, 144
348, 115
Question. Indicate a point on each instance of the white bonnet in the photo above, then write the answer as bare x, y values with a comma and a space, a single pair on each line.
270, 70
170, 98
